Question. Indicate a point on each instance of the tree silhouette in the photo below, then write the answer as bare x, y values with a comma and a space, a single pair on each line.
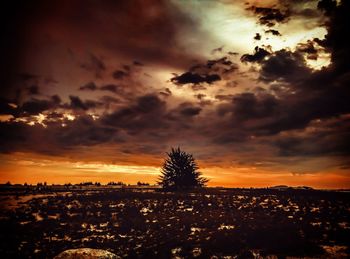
180, 172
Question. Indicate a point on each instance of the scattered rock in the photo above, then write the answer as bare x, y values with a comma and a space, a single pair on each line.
84, 253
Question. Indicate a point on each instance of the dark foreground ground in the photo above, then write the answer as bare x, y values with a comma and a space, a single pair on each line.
246, 223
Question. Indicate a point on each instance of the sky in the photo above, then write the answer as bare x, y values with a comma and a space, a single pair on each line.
257, 91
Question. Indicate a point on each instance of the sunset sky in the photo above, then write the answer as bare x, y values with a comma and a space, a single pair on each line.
257, 91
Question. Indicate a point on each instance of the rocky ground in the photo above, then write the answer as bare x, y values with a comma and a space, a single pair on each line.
243, 223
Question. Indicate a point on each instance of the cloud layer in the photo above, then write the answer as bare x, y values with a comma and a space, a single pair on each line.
139, 91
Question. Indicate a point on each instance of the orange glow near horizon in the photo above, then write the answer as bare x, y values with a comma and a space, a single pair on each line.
62, 172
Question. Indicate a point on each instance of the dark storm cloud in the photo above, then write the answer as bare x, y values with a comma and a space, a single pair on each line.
193, 78
88, 86
224, 97
284, 65
200, 96
22, 137
119, 74
308, 48
137, 63
77, 104
264, 114
216, 64
107, 100
190, 111
149, 103
93, 104
112, 88
91, 86
6, 108
56, 99
273, 115
289, 66
331, 138
327, 5
83, 131
335, 40
183, 120
258, 56
95, 65
269, 16
167, 92
335, 144
248, 106
307, 13
36, 106
219, 50
147, 112
33, 90
273, 32
257, 36
230, 136
208, 72
283, 11
11, 136
308, 96
300, 8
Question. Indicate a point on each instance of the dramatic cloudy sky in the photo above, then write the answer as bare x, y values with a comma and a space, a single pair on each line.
257, 91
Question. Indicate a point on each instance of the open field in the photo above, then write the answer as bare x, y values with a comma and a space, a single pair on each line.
135, 223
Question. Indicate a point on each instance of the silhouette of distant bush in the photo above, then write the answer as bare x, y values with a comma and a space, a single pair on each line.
180, 172
116, 183
142, 184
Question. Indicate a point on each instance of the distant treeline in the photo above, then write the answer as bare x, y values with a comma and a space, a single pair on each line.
44, 184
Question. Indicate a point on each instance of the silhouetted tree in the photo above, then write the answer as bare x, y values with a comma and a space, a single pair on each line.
180, 171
